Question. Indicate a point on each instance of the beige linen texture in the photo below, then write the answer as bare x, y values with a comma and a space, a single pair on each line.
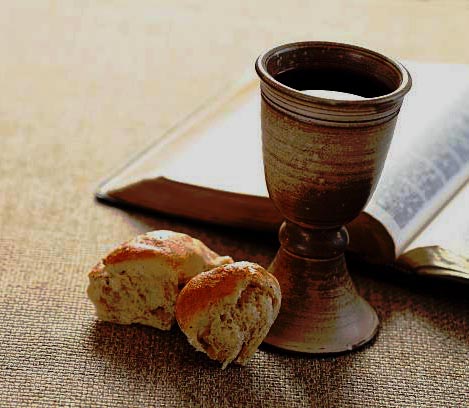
85, 84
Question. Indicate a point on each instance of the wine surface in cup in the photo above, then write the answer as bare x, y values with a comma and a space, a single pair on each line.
324, 93
345, 81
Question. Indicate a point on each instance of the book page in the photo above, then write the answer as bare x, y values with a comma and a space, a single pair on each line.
218, 147
442, 249
429, 157
450, 227
228, 152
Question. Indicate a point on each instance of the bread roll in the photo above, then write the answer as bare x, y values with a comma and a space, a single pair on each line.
227, 312
139, 281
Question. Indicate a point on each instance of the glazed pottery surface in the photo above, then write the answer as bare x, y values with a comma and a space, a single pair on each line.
322, 160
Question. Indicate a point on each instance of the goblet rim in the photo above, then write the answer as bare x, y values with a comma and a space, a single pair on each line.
394, 96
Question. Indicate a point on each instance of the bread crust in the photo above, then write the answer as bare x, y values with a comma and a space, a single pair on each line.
174, 247
216, 285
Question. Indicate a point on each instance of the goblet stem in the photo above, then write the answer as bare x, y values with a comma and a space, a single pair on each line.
321, 310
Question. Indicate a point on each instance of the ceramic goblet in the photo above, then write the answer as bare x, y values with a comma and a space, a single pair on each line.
322, 159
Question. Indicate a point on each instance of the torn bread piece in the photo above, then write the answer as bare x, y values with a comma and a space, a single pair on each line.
139, 281
227, 312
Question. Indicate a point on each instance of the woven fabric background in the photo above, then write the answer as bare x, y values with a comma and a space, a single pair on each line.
85, 84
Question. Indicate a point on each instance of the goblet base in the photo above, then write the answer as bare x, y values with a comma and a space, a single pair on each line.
321, 310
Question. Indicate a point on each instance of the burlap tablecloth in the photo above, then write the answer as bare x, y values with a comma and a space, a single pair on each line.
83, 85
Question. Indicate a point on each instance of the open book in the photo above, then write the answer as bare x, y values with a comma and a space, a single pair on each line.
209, 167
